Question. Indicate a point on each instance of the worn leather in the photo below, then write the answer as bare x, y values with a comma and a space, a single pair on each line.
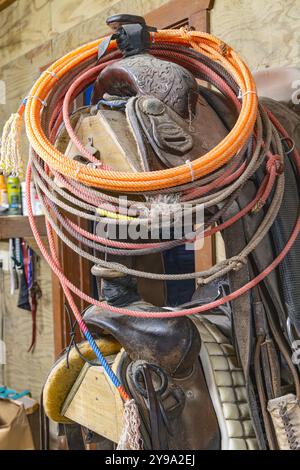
192, 424
170, 121
146, 75
172, 344
172, 347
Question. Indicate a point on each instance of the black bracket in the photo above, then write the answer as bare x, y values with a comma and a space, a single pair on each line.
131, 33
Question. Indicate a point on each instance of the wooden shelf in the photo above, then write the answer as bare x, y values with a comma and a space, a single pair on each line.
17, 226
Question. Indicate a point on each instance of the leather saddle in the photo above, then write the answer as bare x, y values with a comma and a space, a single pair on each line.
183, 374
169, 121
160, 369
153, 110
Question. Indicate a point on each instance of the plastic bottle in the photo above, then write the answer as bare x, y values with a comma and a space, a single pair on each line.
3, 192
37, 208
14, 195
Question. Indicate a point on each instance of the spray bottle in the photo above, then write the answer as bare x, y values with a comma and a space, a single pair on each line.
14, 195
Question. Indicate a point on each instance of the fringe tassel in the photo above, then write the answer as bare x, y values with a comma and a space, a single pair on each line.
130, 437
10, 154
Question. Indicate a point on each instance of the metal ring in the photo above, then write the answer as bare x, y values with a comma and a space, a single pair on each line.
158, 371
289, 139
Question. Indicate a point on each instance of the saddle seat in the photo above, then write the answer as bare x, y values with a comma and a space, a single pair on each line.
171, 343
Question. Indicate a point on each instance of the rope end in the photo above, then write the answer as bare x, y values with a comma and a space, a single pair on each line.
10, 154
130, 438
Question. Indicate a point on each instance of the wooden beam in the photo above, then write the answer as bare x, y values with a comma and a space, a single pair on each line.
5, 3
17, 226
176, 11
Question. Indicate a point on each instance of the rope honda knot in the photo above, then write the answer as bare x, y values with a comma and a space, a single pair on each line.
236, 263
275, 161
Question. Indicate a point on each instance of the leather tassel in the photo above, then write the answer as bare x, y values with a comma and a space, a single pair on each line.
10, 154
130, 438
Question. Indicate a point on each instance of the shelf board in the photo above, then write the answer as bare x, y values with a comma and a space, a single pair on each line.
17, 226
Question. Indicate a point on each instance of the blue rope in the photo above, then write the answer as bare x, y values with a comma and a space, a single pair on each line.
102, 360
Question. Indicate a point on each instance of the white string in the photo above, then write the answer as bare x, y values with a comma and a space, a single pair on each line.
53, 74
188, 162
44, 103
94, 165
249, 92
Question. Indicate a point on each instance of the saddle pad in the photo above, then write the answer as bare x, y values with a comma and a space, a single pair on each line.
61, 378
226, 384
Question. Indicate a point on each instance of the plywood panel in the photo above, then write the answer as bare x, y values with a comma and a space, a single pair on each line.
67, 14
19, 76
266, 33
5, 3
28, 24
20, 73
24, 25
28, 370
95, 26
94, 403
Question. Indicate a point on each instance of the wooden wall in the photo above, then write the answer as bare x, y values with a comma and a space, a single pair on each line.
36, 32
26, 370
265, 32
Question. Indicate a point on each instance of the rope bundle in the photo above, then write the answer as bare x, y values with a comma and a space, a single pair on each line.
259, 145
219, 175
120, 181
214, 180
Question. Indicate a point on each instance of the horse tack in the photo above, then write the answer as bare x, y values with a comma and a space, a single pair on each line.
221, 374
156, 108
168, 131
168, 110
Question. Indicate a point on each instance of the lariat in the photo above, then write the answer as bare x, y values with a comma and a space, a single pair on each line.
90, 190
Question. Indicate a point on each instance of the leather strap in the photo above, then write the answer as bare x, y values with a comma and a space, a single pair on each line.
156, 424
242, 320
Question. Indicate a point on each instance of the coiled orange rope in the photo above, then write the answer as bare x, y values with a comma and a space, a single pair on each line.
155, 180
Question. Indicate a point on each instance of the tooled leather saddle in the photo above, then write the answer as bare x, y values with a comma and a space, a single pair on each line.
161, 117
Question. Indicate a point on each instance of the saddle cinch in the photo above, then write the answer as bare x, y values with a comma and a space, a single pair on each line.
219, 381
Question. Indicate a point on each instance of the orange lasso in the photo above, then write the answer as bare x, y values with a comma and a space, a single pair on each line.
155, 180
